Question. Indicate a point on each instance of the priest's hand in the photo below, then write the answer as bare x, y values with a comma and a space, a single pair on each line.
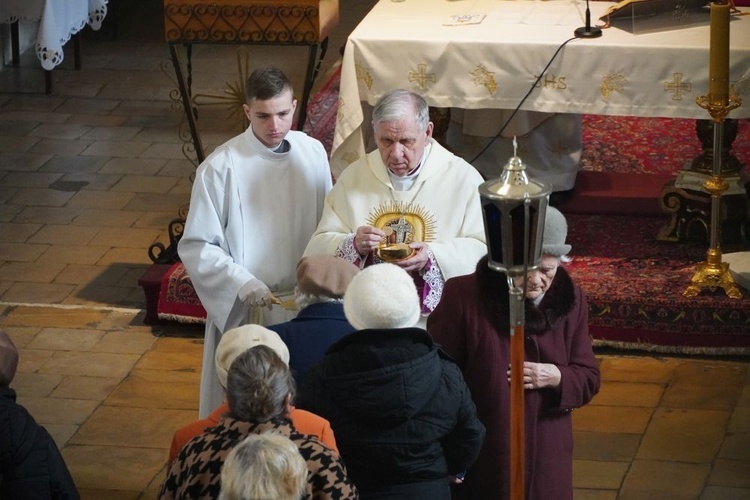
418, 260
540, 375
367, 239
255, 293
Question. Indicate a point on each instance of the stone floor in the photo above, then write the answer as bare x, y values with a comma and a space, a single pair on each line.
91, 175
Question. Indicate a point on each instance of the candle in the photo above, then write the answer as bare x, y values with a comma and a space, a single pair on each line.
718, 73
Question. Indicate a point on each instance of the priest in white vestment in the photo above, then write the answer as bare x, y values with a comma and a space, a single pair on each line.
255, 202
411, 191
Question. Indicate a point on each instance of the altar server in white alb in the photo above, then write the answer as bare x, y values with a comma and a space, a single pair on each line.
256, 200
410, 191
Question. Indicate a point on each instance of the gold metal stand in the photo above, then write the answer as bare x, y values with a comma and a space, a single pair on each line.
714, 273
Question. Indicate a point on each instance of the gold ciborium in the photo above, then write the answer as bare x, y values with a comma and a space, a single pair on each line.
392, 252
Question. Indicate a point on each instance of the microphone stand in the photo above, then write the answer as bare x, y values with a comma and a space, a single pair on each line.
588, 31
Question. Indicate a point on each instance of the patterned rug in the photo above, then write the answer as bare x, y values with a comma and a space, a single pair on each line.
634, 285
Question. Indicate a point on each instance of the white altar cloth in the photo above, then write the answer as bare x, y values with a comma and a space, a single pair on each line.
492, 65
58, 21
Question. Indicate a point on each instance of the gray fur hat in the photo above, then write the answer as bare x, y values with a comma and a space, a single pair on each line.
555, 232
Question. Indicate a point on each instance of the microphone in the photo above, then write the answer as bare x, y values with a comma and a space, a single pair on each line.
588, 31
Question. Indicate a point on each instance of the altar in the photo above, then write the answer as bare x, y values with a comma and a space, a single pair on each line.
432, 48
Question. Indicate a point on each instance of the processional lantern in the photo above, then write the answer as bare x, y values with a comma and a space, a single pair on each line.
513, 209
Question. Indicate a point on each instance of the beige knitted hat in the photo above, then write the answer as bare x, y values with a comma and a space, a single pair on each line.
238, 340
382, 296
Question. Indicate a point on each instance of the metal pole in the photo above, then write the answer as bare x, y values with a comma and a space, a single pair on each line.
715, 241
516, 391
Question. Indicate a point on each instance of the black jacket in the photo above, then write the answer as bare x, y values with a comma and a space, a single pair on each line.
31, 466
401, 412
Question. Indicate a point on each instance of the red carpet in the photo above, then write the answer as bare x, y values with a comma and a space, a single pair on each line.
634, 285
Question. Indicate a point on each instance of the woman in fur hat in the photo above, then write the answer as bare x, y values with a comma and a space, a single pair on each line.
560, 371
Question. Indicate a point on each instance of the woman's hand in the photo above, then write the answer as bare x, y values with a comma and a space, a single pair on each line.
540, 375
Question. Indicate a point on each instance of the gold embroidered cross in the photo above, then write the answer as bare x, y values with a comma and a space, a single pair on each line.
676, 86
422, 77
364, 75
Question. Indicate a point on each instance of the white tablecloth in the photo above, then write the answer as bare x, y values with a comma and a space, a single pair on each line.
492, 65
58, 21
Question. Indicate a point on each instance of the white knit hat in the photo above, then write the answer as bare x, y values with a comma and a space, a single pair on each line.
238, 340
555, 232
382, 296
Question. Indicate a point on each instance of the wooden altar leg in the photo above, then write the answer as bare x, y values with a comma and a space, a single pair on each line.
48, 81
77, 51
15, 43
184, 89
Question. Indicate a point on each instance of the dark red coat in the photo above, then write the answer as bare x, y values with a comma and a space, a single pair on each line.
471, 323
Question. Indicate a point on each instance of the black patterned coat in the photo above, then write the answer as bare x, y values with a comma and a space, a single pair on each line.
196, 473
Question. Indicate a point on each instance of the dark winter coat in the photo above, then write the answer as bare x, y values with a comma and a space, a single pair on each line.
31, 466
401, 412
472, 324
309, 335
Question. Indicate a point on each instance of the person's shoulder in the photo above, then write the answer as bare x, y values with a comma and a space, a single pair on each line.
298, 137
461, 281
218, 162
17, 416
301, 418
312, 448
456, 164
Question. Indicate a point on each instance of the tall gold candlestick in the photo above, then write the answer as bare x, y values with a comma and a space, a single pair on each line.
714, 273
718, 73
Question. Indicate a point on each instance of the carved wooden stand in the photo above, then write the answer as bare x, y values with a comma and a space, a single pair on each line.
256, 22
691, 209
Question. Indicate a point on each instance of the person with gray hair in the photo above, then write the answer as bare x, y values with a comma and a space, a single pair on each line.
232, 344
260, 390
31, 466
264, 466
411, 202
561, 373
